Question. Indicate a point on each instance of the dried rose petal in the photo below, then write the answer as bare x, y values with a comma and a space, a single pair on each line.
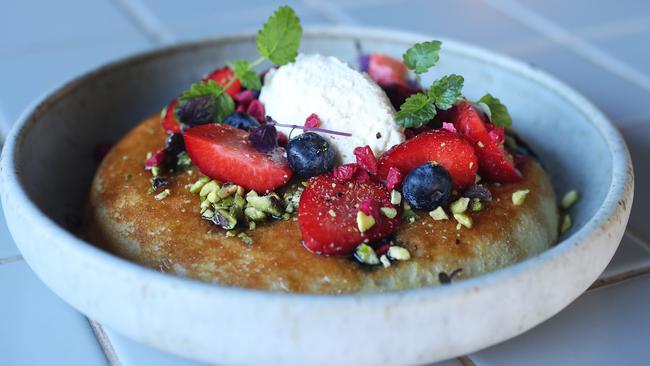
263, 138
366, 159
345, 171
244, 97
256, 109
382, 249
157, 159
361, 176
394, 178
241, 109
369, 207
497, 135
448, 126
283, 140
312, 121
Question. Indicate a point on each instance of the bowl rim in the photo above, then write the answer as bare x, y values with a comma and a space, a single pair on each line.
619, 183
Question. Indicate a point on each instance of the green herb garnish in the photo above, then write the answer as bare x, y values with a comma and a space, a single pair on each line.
422, 56
496, 111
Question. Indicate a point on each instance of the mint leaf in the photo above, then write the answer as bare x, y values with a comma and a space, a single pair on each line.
202, 88
248, 78
422, 56
447, 91
416, 111
499, 115
279, 39
225, 107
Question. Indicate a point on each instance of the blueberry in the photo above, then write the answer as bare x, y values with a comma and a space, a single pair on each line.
427, 186
175, 144
242, 121
309, 155
197, 111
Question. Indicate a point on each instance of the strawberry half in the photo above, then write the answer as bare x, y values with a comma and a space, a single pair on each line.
448, 149
223, 152
495, 163
169, 121
222, 76
386, 70
327, 214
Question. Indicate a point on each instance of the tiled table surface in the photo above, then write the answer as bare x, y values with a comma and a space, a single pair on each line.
601, 48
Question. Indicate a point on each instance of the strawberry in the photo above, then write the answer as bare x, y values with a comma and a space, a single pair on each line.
448, 149
223, 152
327, 214
169, 120
495, 163
386, 70
222, 76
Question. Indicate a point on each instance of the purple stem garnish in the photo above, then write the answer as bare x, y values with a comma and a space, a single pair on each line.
263, 138
270, 121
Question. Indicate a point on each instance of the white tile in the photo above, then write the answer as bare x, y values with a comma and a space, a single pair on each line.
466, 20
638, 141
608, 326
28, 24
620, 99
7, 246
38, 328
630, 48
27, 75
629, 256
207, 18
131, 353
579, 13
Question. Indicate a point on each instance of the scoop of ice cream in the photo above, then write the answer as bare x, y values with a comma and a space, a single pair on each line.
344, 99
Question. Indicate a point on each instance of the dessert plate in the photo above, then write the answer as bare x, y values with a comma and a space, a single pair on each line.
47, 166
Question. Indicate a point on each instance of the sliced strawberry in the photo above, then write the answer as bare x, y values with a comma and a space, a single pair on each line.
327, 214
170, 122
495, 163
386, 70
448, 149
223, 153
222, 76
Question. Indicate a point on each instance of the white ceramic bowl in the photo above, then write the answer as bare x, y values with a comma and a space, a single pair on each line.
47, 166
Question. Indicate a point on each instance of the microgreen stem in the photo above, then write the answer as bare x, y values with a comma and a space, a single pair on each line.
257, 62
316, 129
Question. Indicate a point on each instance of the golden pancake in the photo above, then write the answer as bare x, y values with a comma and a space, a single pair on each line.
170, 236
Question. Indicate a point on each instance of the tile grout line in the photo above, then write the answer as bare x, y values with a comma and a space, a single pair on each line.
618, 278
466, 361
104, 343
13, 259
142, 17
562, 36
637, 237
330, 11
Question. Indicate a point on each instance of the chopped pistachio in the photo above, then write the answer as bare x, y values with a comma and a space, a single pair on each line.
238, 200
155, 171
569, 199
477, 179
241, 191
439, 214
518, 197
395, 197
224, 219
384, 261
463, 219
331, 213
460, 205
196, 187
288, 208
227, 190
252, 225
162, 195
366, 255
149, 155
226, 202
245, 238
231, 233
213, 197
183, 160
409, 215
304, 183
476, 205
251, 194
364, 222
567, 222
269, 204
211, 186
254, 214
207, 214
389, 212
398, 253
286, 216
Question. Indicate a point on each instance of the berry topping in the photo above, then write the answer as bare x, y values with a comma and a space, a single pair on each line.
170, 121
494, 161
328, 211
427, 186
312, 121
197, 111
256, 109
309, 155
366, 159
386, 70
175, 144
448, 149
241, 120
223, 152
245, 97
345, 172
263, 138
222, 76
394, 178
158, 159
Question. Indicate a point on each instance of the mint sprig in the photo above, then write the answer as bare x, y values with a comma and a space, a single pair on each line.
422, 56
224, 103
419, 108
496, 111
447, 91
248, 78
279, 38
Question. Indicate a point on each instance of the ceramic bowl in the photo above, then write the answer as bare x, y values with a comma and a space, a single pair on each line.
47, 167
